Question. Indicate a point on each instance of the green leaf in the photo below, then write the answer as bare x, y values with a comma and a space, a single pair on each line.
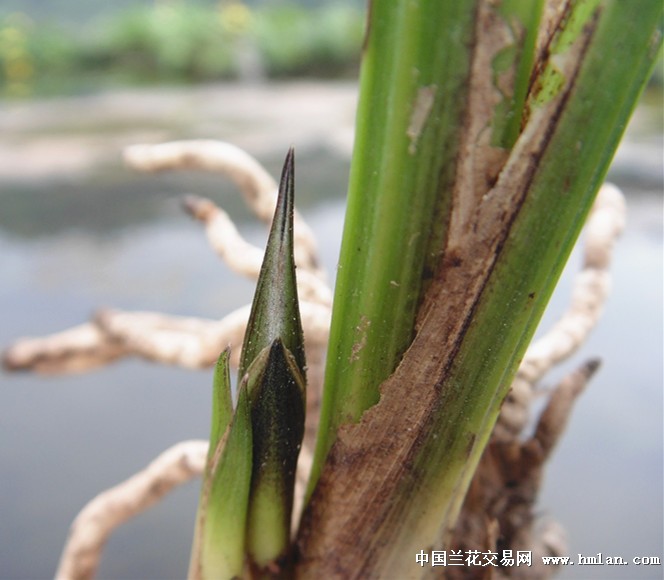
222, 401
413, 91
219, 539
222, 414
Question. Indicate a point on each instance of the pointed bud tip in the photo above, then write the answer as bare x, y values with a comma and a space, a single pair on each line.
284, 209
288, 171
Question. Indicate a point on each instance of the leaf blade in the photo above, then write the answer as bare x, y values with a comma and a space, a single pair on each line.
219, 538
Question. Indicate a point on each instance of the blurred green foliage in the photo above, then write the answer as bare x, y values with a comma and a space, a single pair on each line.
175, 41
323, 42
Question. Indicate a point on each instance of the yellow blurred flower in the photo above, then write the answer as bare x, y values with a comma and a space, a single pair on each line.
15, 59
235, 17
19, 69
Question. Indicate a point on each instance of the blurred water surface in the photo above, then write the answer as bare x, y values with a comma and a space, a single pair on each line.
72, 243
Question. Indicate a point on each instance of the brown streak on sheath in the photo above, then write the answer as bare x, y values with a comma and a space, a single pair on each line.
373, 463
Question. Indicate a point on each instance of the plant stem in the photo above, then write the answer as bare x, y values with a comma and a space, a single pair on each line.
412, 91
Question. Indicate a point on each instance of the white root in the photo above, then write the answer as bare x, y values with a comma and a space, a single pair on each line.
95, 523
187, 342
257, 185
76, 349
241, 256
553, 420
246, 259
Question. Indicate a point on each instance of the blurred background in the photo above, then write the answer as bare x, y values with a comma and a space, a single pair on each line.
70, 46
80, 80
